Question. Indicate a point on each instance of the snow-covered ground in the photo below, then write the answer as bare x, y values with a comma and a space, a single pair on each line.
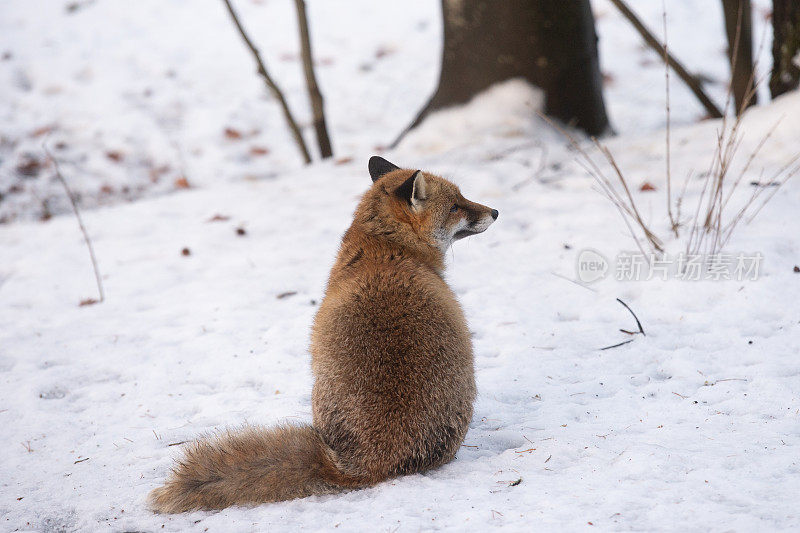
694, 426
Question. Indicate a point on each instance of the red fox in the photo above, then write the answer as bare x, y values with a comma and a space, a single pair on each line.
391, 357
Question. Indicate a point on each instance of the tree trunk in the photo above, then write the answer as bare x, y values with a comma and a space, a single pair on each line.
739, 30
551, 44
785, 47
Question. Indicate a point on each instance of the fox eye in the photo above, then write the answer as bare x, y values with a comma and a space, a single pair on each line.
454, 208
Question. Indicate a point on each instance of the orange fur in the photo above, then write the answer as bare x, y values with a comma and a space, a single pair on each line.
391, 356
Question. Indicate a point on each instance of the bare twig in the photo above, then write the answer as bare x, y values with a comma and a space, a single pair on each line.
314, 93
607, 188
271, 85
651, 237
691, 81
623, 343
672, 220
75, 210
542, 162
638, 324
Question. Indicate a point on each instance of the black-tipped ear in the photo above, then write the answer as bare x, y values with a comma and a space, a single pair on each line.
378, 166
406, 190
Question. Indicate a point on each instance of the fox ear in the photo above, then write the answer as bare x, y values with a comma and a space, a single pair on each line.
413, 190
378, 166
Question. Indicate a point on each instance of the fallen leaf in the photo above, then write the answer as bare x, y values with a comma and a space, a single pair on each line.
240, 231
182, 183
218, 218
383, 51
29, 166
44, 130
87, 301
115, 155
233, 134
286, 294
647, 186
259, 150
186, 252
157, 172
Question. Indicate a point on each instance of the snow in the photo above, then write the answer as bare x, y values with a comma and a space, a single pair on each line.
693, 426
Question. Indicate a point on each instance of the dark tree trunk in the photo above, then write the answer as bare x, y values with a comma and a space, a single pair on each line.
785, 46
739, 30
552, 44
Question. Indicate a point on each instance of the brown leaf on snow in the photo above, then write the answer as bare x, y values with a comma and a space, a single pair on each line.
286, 294
29, 165
218, 218
186, 252
182, 183
157, 172
87, 301
233, 134
241, 232
383, 51
258, 150
115, 155
647, 186
343, 160
43, 130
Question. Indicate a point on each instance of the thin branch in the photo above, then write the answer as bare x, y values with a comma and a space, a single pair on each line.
654, 240
672, 220
638, 324
314, 93
271, 85
86, 238
692, 82
623, 343
607, 188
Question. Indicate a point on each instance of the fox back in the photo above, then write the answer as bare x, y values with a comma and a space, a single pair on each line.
391, 350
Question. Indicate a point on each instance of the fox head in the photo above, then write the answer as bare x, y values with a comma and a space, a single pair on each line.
419, 209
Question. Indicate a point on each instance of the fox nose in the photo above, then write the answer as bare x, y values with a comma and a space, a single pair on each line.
495, 212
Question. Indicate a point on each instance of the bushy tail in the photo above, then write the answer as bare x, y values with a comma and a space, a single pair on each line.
250, 466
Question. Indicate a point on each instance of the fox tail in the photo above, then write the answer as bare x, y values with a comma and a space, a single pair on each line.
251, 466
